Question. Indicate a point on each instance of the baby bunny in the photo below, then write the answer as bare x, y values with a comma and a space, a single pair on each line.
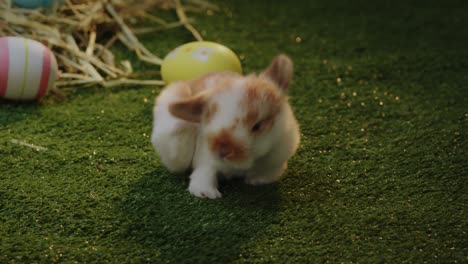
229, 125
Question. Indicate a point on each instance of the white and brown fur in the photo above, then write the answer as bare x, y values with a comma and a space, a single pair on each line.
227, 124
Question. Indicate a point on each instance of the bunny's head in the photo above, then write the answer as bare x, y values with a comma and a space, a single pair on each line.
241, 118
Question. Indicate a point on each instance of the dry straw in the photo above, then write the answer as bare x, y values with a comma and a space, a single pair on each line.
81, 34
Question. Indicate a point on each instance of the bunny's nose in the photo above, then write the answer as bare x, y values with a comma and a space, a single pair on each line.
224, 150
227, 147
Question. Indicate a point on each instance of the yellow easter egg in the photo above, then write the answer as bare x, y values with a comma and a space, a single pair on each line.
197, 58
28, 69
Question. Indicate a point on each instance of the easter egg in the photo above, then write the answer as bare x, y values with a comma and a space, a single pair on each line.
33, 3
28, 69
196, 58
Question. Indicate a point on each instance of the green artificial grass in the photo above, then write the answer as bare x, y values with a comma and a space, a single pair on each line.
380, 91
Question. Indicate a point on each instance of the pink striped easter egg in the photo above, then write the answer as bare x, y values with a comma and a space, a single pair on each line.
28, 69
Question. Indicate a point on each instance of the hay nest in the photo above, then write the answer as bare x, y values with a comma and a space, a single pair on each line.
81, 34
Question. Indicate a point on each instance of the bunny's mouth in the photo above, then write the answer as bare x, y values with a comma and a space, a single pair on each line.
236, 165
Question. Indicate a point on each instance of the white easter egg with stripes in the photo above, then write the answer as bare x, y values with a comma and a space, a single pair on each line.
28, 69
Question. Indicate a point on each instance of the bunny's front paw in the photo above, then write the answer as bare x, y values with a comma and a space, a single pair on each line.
266, 176
203, 190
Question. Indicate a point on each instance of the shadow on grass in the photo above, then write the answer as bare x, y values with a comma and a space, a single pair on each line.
12, 112
173, 226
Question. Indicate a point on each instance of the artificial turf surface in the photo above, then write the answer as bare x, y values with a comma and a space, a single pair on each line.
380, 91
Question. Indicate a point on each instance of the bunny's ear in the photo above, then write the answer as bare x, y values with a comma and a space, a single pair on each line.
280, 71
190, 109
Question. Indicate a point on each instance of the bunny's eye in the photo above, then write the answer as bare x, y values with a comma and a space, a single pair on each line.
257, 126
